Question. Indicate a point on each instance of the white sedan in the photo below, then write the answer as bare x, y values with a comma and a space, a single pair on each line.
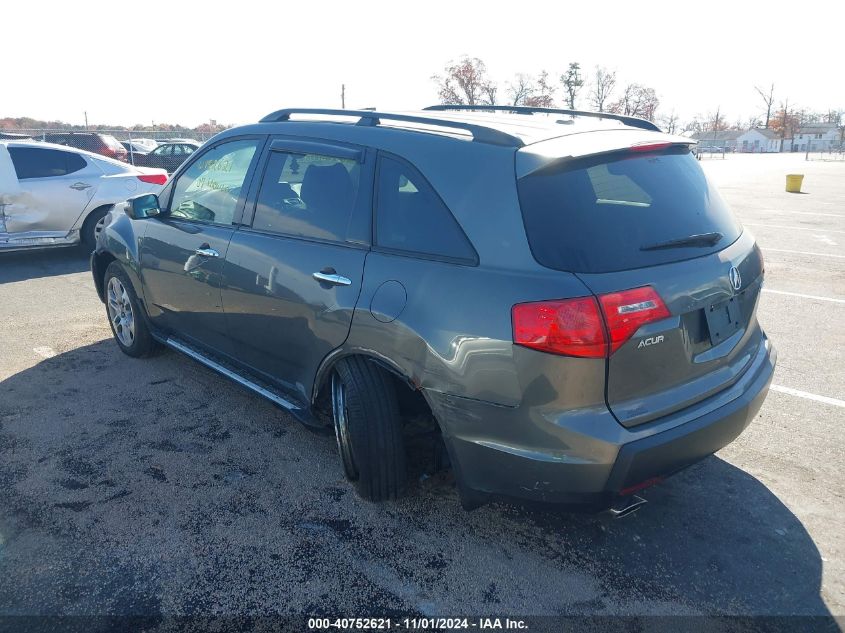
52, 195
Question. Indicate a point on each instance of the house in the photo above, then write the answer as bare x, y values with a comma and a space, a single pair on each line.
723, 140
758, 140
817, 137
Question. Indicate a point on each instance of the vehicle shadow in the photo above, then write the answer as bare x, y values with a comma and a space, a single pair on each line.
22, 265
179, 493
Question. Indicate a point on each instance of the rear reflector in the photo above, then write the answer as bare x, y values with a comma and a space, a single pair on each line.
640, 486
579, 327
156, 179
625, 312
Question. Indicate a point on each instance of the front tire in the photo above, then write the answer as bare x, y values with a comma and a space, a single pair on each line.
126, 319
368, 429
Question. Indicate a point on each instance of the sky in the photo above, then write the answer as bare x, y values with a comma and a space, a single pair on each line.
188, 62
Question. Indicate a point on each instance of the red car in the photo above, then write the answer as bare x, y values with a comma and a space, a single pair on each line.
104, 144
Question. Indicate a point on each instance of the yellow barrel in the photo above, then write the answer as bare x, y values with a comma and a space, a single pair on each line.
793, 182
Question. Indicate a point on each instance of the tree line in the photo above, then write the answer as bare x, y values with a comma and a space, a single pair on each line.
28, 123
466, 81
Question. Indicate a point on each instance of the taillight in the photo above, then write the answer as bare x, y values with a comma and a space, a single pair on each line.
571, 326
579, 327
156, 179
625, 312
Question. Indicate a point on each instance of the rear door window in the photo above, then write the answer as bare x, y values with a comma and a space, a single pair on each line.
411, 218
307, 195
34, 162
607, 212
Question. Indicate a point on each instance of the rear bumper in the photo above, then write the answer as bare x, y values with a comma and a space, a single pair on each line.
592, 463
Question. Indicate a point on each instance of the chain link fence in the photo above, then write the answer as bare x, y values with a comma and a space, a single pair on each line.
138, 147
708, 151
832, 154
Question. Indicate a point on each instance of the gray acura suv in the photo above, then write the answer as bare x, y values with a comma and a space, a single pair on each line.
562, 293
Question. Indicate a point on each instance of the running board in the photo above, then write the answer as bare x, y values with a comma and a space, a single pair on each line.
303, 415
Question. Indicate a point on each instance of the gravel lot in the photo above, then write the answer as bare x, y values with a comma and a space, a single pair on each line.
155, 486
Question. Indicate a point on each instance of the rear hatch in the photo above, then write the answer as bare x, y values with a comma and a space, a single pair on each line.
676, 279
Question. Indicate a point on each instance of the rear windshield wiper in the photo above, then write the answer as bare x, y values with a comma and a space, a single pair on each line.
700, 239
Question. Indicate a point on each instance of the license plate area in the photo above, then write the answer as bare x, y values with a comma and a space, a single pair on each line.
723, 320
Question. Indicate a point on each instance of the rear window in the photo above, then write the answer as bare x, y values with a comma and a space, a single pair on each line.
597, 214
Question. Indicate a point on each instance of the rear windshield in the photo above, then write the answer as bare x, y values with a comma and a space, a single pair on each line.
597, 214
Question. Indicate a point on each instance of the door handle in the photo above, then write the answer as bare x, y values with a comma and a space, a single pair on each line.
205, 251
332, 278
80, 186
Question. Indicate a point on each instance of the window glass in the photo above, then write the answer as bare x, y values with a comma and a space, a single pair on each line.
411, 216
307, 195
607, 212
164, 150
210, 188
34, 162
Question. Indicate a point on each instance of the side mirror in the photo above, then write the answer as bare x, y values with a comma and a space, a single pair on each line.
140, 207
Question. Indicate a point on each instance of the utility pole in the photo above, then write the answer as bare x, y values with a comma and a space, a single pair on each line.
86, 119
783, 124
343, 96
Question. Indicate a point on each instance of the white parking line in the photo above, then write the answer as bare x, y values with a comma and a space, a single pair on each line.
803, 296
783, 250
44, 352
808, 395
829, 215
793, 228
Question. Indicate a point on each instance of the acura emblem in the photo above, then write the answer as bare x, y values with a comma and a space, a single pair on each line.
736, 278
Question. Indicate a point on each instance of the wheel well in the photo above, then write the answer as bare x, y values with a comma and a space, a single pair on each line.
421, 430
93, 213
100, 263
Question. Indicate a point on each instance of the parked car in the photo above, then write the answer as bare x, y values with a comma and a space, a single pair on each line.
103, 144
51, 195
574, 305
134, 150
168, 156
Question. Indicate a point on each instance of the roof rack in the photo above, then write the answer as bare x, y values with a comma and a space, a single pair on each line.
628, 120
480, 133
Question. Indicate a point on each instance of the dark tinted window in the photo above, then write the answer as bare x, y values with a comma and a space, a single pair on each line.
209, 190
307, 195
34, 162
90, 142
411, 217
595, 214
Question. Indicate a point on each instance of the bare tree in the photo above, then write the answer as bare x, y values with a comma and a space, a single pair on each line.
716, 121
603, 85
521, 89
669, 122
636, 100
693, 125
544, 94
768, 99
465, 83
488, 93
572, 83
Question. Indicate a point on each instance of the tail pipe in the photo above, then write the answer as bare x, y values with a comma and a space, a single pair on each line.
626, 506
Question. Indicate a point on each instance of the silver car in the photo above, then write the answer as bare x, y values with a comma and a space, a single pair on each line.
52, 195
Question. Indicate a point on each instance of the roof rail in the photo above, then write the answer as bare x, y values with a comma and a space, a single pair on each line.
480, 133
628, 120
